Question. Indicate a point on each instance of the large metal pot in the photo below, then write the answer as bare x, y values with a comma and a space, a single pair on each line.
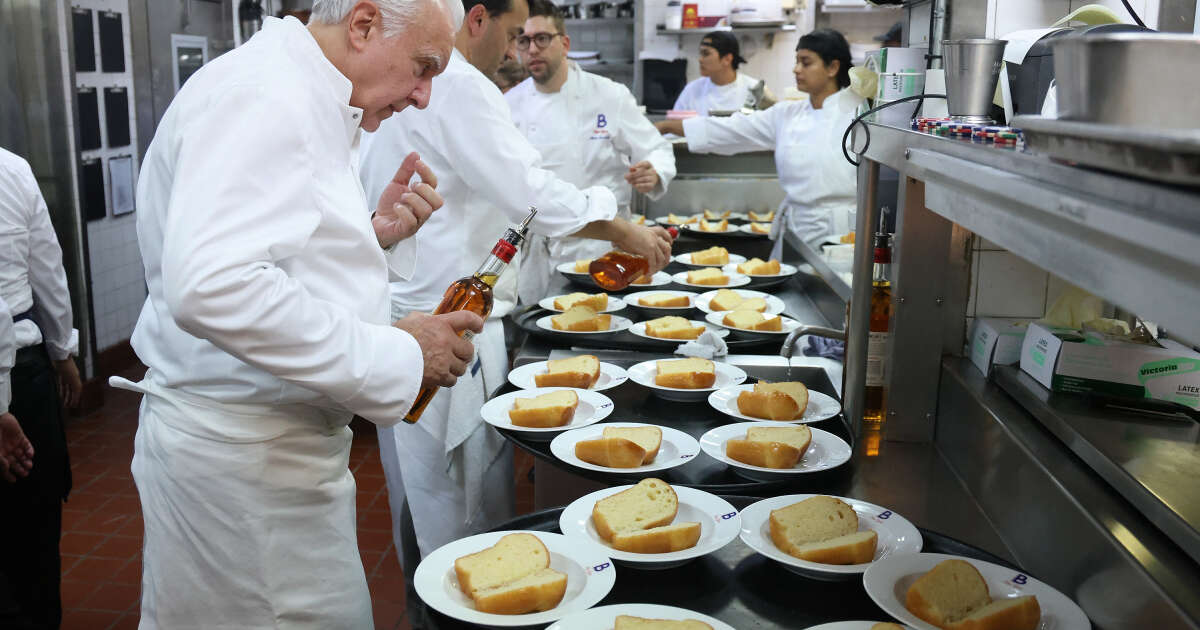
1145, 80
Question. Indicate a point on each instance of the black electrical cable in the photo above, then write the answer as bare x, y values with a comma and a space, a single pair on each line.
1136, 17
867, 130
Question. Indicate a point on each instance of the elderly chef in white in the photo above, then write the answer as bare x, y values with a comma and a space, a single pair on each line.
267, 326
590, 132
452, 468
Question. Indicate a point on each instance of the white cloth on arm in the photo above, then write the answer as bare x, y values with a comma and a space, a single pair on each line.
8, 352
818, 183
588, 133
702, 95
31, 268
265, 329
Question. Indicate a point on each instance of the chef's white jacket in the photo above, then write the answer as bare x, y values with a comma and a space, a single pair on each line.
8, 351
589, 133
488, 175
266, 282
702, 95
31, 269
819, 184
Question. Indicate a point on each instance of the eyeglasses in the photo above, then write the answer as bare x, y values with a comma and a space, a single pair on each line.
541, 39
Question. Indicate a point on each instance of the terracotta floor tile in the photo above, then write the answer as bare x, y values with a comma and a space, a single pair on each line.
86, 501
75, 619
72, 517
124, 505
95, 569
375, 519
106, 522
75, 592
133, 527
374, 540
128, 621
79, 543
110, 484
115, 597
370, 560
387, 615
117, 546
387, 589
131, 573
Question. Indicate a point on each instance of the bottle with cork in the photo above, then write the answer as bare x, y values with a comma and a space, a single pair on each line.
474, 293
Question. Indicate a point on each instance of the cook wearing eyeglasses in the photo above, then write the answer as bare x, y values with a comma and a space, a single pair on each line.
806, 135
590, 132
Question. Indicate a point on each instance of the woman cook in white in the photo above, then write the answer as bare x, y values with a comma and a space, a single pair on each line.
806, 135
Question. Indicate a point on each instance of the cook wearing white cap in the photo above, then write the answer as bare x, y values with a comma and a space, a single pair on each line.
589, 131
267, 324
720, 86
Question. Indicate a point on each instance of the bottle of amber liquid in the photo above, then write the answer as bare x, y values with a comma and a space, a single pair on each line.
474, 293
617, 269
878, 341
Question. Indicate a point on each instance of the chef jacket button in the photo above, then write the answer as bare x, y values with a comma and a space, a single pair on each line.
354, 116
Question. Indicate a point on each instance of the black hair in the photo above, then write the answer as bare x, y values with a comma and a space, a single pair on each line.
830, 46
725, 43
547, 9
495, 8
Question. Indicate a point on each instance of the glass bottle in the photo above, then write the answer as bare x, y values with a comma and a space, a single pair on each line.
617, 269
878, 341
474, 293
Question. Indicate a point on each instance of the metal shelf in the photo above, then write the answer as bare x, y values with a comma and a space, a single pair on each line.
820, 267
735, 29
573, 22
1130, 241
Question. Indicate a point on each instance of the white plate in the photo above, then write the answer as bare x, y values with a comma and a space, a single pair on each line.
896, 535
785, 270
639, 329
590, 576
735, 280
846, 625
593, 407
614, 304
719, 524
774, 305
631, 299
826, 451
686, 259
659, 279
610, 376
616, 324
677, 448
646, 222
568, 268
663, 220
643, 374
786, 323
887, 582
745, 228
603, 617
820, 406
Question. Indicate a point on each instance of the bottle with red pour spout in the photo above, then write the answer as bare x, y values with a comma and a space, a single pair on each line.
474, 293
617, 269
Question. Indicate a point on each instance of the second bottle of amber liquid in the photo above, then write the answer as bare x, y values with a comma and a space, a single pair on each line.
616, 270
879, 337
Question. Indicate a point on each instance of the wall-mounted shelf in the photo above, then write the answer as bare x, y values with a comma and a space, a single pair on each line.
599, 21
735, 29
859, 8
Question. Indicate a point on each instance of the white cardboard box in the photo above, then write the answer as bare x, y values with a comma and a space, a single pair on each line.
996, 341
1069, 360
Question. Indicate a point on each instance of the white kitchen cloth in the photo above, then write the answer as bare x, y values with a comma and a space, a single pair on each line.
706, 346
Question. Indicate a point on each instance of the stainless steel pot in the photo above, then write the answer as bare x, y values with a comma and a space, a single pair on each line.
1143, 80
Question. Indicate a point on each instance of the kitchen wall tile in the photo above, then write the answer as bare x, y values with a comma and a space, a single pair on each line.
1008, 286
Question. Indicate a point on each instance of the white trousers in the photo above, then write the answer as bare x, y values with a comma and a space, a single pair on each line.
249, 516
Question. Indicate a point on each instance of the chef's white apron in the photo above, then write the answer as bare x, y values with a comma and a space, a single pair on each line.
249, 515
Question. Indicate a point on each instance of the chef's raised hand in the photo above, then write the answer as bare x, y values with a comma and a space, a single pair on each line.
446, 355
642, 176
652, 243
402, 208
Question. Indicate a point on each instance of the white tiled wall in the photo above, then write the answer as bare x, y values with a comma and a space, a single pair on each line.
1003, 285
118, 288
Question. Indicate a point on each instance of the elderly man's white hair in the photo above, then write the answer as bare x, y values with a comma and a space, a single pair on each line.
397, 14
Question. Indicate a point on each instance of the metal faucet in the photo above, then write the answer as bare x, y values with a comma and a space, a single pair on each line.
820, 331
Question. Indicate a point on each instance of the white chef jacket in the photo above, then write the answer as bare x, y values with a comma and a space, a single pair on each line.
819, 184
8, 352
31, 269
589, 133
266, 282
702, 95
488, 175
